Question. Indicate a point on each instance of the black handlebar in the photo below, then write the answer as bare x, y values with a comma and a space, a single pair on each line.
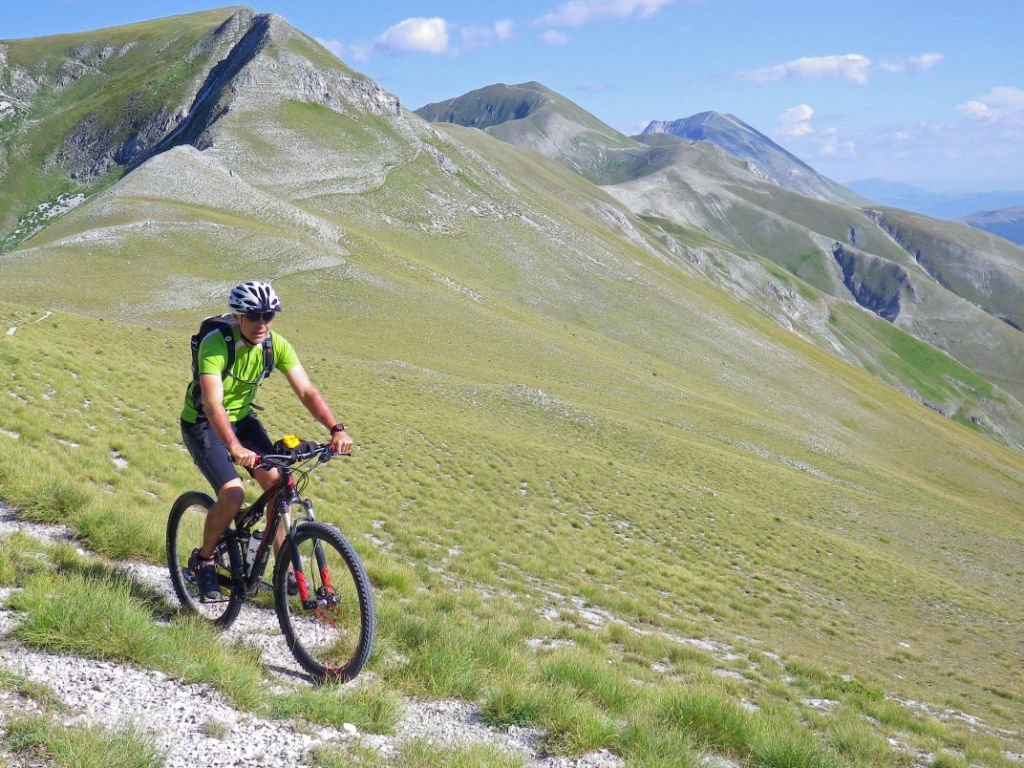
274, 460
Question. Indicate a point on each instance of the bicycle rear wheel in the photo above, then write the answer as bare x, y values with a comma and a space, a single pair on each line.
331, 631
184, 534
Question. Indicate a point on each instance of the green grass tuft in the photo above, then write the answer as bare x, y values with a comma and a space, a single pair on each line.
373, 709
708, 718
40, 737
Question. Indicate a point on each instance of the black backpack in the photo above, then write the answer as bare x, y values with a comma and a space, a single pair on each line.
225, 325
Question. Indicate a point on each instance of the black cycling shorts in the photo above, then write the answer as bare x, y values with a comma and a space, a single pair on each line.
211, 455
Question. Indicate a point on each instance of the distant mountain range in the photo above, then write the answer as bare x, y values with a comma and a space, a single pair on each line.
1007, 223
236, 134
940, 205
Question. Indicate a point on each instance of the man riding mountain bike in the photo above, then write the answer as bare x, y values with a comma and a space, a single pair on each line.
232, 355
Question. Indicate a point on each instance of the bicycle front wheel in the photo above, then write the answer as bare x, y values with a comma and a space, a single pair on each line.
184, 534
330, 623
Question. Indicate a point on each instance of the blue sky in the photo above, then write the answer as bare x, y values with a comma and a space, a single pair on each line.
930, 94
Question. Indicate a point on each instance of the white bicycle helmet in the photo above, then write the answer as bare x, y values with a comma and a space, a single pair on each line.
253, 296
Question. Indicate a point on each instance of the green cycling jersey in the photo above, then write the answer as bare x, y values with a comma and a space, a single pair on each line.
240, 386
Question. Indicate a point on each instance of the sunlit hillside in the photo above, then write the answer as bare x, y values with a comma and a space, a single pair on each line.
603, 485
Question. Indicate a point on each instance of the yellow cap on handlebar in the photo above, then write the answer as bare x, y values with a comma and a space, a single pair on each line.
291, 441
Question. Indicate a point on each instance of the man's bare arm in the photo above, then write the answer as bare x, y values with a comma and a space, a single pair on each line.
212, 387
314, 402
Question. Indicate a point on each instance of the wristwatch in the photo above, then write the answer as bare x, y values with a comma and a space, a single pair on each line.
337, 428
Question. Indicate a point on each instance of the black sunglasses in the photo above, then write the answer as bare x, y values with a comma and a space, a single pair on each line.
255, 317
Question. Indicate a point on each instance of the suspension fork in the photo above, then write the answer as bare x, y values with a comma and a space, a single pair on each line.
321, 563
308, 600
318, 553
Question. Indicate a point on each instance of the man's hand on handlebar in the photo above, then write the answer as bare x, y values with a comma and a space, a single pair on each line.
244, 457
341, 442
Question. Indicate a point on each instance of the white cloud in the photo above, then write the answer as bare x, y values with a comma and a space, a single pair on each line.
975, 109
503, 28
553, 37
1007, 97
922, 63
480, 37
433, 35
333, 46
411, 35
416, 34
1004, 101
852, 67
796, 121
799, 136
576, 13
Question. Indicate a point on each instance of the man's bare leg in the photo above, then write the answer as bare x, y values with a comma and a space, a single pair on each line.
229, 501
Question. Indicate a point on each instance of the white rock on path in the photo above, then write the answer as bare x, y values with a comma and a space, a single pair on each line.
50, 534
449, 724
173, 713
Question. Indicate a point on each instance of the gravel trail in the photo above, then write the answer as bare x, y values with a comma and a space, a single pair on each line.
193, 724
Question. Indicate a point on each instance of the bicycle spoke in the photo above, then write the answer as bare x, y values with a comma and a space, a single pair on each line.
184, 534
329, 631
328, 625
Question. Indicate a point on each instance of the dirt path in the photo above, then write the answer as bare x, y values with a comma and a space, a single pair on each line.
190, 721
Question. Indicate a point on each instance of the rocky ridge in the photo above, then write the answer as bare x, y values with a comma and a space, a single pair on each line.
765, 157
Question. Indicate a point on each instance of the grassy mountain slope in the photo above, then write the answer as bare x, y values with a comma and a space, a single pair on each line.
840, 250
534, 375
764, 156
986, 270
877, 548
531, 116
807, 237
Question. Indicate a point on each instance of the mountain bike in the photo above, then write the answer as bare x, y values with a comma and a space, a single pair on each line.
322, 595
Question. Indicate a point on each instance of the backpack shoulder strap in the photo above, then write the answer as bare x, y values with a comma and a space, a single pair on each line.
268, 355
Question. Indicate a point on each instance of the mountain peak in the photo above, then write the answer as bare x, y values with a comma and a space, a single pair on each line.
533, 116
490, 105
115, 97
762, 155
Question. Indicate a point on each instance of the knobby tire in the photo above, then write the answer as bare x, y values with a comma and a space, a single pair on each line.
352, 623
185, 522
